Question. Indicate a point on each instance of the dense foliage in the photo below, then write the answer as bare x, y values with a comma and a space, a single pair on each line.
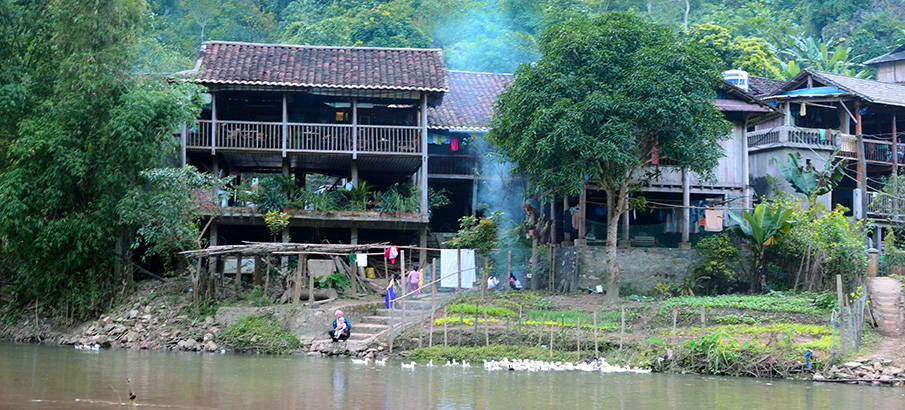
762, 36
77, 129
593, 108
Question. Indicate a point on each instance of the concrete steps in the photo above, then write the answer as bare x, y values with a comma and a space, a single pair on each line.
887, 305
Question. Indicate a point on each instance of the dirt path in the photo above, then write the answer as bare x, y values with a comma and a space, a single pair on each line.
890, 348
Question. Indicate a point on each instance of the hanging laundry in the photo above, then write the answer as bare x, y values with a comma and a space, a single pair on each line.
576, 218
454, 144
391, 253
361, 259
713, 220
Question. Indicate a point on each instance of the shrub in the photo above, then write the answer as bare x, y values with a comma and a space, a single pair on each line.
259, 334
718, 272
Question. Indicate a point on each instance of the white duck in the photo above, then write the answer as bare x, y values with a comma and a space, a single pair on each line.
360, 361
408, 366
430, 363
381, 362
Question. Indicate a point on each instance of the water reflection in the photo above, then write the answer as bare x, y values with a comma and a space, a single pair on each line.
34, 377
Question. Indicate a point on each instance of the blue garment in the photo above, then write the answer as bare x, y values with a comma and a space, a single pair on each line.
391, 294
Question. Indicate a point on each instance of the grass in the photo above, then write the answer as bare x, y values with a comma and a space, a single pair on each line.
475, 355
259, 334
761, 303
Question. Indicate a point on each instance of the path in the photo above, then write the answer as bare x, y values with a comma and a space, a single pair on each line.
887, 303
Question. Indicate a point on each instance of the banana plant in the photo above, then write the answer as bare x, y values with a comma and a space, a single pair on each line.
807, 180
761, 229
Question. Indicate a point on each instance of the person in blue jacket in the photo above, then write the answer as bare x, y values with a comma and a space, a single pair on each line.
342, 328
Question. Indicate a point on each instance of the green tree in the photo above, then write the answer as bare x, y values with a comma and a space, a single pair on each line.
166, 205
751, 54
80, 126
763, 228
607, 92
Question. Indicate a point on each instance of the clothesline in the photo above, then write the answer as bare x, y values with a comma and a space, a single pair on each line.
670, 206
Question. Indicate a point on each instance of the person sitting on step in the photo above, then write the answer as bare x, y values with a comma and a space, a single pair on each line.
342, 328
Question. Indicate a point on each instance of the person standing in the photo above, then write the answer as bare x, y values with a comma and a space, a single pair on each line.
414, 279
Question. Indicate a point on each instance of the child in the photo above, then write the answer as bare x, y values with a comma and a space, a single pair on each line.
341, 327
415, 280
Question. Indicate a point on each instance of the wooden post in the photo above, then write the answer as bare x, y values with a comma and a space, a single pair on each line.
386, 268
622, 329
421, 330
551, 340
543, 326
486, 328
484, 279
433, 283
578, 339
354, 274
459, 262
895, 150
675, 313
596, 352
552, 264
444, 327
402, 318
474, 342
703, 320
839, 299
303, 267
508, 269
430, 342
519, 328
257, 270
238, 271
461, 324
392, 327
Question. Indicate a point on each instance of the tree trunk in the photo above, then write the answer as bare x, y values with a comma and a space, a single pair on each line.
614, 212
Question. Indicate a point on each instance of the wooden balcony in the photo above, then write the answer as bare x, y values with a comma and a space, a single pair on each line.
876, 151
794, 137
450, 165
274, 137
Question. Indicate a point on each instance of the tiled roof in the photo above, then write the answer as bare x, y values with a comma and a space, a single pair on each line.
738, 106
871, 90
896, 55
286, 65
469, 103
760, 86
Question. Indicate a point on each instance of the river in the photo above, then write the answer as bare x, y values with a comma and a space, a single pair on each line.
42, 377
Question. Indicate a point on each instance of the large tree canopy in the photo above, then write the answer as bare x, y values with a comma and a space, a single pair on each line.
78, 127
605, 94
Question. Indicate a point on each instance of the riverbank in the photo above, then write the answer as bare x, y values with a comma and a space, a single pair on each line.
763, 336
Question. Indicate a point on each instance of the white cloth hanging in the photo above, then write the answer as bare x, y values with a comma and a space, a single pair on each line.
449, 266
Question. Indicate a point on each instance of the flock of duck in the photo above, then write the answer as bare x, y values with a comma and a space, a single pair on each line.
598, 365
82, 346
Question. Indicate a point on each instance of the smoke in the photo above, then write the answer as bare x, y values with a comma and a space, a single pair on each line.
501, 189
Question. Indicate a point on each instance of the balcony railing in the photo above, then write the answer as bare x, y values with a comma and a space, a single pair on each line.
874, 150
452, 164
310, 138
793, 135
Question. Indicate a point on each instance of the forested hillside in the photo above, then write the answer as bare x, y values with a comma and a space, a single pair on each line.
762, 36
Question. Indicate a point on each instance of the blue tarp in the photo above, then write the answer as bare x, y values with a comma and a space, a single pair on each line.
815, 91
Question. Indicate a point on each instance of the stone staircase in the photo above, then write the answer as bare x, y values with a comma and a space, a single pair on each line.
887, 303
372, 329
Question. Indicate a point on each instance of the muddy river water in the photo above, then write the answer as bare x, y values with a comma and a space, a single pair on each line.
41, 377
